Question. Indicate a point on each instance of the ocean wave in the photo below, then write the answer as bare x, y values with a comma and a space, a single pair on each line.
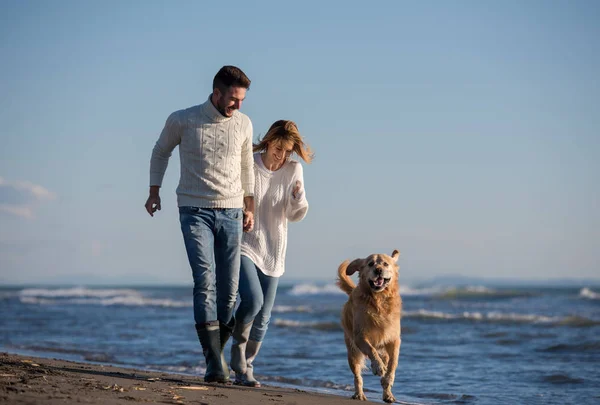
100, 357
462, 399
562, 379
578, 321
290, 308
77, 292
501, 318
89, 296
332, 289
587, 347
589, 294
436, 292
306, 382
475, 292
314, 289
324, 326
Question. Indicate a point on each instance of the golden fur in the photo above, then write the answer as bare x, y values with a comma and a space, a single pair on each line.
371, 318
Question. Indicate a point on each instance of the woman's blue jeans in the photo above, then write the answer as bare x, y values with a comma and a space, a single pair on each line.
212, 240
257, 296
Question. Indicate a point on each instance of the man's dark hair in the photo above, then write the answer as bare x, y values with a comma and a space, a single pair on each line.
229, 76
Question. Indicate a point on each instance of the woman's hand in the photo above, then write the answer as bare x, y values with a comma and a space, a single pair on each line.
297, 190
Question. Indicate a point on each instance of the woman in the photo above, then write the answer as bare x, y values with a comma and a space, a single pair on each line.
279, 198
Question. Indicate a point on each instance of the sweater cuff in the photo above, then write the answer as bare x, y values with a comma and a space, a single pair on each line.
299, 197
156, 179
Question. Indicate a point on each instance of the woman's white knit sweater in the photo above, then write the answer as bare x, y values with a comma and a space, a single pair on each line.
275, 205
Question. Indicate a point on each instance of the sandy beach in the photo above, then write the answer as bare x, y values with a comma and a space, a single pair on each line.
31, 380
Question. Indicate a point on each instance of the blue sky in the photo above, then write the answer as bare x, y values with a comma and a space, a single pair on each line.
465, 133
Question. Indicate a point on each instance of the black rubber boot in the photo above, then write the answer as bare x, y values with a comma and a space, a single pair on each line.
209, 335
224, 334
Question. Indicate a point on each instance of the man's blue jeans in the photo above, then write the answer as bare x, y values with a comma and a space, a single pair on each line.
257, 296
212, 240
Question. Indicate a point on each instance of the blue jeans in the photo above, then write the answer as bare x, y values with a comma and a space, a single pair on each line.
212, 240
257, 296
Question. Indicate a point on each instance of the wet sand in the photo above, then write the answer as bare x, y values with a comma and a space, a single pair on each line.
32, 381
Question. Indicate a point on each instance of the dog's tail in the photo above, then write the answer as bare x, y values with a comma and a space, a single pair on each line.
344, 281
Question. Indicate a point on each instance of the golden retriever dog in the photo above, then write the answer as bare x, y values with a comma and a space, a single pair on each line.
371, 318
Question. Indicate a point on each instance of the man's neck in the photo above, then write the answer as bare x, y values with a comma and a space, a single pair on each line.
212, 101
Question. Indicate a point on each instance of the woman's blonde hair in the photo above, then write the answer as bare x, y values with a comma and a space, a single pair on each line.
287, 132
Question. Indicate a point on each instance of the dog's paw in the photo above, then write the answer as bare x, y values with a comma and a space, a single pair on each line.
359, 396
388, 397
378, 368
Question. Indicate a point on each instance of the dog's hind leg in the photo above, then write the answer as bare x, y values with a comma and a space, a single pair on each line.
356, 362
387, 381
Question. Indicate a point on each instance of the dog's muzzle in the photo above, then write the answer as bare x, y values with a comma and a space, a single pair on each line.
379, 283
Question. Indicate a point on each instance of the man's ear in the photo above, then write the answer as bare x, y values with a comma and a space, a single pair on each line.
355, 266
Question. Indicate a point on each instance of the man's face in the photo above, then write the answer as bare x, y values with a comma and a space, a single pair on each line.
226, 103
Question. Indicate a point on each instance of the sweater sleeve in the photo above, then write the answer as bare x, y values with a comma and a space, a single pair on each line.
169, 138
296, 208
247, 169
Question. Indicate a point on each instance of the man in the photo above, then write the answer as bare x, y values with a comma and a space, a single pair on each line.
216, 203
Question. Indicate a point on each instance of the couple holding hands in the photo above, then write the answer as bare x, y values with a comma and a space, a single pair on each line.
235, 200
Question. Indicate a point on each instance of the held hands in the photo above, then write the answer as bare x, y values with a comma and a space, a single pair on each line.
248, 221
297, 191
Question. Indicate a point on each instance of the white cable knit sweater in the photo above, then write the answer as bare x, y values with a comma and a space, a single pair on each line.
215, 154
275, 206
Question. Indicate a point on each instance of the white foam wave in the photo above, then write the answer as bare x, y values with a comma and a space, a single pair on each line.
291, 308
126, 301
326, 326
478, 316
290, 323
406, 290
36, 301
313, 289
80, 292
589, 294
89, 296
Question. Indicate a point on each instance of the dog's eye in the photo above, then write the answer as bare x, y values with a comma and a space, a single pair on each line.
385, 264
371, 264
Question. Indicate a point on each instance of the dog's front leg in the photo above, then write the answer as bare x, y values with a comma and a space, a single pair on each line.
377, 366
356, 360
387, 381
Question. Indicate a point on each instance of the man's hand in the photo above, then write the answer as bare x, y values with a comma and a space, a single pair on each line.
153, 201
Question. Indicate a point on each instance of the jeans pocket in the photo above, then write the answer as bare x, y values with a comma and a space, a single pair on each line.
233, 213
189, 210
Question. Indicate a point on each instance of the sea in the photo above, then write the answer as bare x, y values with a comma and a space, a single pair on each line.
473, 344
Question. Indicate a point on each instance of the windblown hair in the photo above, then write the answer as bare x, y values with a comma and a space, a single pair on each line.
229, 76
286, 131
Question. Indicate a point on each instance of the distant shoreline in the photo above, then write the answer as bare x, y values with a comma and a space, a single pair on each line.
450, 281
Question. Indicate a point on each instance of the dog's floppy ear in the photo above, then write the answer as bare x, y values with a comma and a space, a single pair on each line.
395, 255
354, 266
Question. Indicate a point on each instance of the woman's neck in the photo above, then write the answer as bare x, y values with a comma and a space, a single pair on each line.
270, 164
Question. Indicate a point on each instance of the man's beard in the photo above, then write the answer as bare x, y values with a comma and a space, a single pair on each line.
223, 110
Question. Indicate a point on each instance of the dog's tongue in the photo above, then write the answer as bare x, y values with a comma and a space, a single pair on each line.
378, 281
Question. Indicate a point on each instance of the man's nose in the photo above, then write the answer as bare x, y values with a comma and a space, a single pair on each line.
237, 105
